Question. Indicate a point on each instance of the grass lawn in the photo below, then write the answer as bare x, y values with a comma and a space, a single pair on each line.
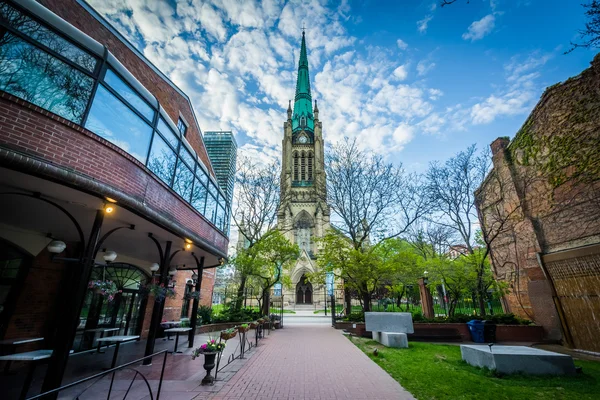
435, 371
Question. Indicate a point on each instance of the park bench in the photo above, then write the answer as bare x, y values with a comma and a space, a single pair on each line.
390, 328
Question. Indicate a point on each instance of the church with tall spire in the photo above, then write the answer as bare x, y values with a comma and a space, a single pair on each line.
303, 213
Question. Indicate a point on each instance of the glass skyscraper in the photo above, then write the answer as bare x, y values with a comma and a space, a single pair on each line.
222, 150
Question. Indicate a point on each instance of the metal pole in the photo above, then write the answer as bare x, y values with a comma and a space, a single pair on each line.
158, 306
333, 310
325, 296
194, 320
78, 276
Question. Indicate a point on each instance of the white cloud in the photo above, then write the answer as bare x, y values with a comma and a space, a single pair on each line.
424, 66
519, 94
423, 24
478, 29
402, 45
401, 72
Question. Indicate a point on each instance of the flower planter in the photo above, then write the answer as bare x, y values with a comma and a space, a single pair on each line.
209, 364
227, 335
243, 329
253, 325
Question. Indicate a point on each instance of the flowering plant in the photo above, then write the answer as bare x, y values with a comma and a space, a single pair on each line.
160, 291
211, 346
105, 288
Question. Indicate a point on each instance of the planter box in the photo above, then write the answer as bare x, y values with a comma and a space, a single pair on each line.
519, 333
450, 332
356, 328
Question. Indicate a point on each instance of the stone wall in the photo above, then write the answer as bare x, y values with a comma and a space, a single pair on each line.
543, 193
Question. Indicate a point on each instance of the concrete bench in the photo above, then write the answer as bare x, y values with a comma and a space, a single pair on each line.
390, 329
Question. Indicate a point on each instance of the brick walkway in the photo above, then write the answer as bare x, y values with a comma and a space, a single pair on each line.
312, 362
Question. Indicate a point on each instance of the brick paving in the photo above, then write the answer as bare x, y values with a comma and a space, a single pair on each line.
312, 362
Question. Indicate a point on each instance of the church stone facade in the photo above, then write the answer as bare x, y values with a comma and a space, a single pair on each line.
303, 213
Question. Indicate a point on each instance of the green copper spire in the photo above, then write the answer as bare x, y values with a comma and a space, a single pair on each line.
302, 117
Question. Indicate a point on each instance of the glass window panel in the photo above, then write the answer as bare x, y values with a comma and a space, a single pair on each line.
184, 179
201, 175
211, 208
187, 157
182, 127
212, 189
162, 159
167, 133
45, 36
114, 121
220, 217
129, 94
39, 78
199, 196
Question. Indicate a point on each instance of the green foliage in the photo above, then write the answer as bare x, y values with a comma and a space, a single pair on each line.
205, 314
433, 371
499, 319
230, 314
358, 316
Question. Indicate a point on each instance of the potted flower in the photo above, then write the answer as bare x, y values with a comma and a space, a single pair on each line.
210, 349
243, 328
160, 291
106, 288
228, 334
253, 324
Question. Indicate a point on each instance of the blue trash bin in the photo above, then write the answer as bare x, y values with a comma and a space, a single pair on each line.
476, 328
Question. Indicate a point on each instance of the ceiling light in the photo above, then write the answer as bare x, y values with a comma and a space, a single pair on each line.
56, 246
109, 256
111, 200
109, 208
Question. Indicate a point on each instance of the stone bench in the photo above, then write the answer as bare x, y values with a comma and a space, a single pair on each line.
390, 328
518, 359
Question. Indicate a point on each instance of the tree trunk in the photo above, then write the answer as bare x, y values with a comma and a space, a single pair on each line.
480, 291
348, 300
366, 296
266, 301
240, 293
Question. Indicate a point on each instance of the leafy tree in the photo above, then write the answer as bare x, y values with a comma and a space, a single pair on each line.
256, 201
373, 201
266, 261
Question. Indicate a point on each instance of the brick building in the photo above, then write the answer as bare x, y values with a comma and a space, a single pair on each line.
540, 209
100, 155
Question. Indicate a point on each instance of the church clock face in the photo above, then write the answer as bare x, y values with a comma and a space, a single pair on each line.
302, 139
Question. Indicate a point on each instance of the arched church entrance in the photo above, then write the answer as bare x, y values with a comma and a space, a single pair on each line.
304, 291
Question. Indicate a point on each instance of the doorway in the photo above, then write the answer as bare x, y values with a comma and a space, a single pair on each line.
304, 291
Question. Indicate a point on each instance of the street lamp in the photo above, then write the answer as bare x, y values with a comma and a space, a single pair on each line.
109, 256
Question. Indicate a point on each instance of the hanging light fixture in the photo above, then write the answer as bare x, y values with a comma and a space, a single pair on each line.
195, 276
109, 256
154, 267
56, 246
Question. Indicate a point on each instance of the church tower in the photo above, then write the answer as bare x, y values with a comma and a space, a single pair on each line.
303, 213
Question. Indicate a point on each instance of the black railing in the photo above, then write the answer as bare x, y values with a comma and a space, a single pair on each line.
98, 378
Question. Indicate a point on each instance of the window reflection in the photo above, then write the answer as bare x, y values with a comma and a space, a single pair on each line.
184, 179
199, 196
211, 208
162, 159
39, 78
115, 122
220, 217
43, 35
168, 133
128, 94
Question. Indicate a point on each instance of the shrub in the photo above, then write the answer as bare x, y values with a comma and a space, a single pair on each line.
205, 314
358, 316
230, 315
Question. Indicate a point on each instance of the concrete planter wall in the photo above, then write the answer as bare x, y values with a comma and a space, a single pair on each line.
423, 331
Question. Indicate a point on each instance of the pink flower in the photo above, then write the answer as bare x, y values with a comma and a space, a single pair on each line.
212, 341
203, 347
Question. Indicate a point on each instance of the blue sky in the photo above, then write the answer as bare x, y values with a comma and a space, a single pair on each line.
409, 79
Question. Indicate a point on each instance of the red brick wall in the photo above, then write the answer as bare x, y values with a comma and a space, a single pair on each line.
27, 128
168, 97
36, 307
